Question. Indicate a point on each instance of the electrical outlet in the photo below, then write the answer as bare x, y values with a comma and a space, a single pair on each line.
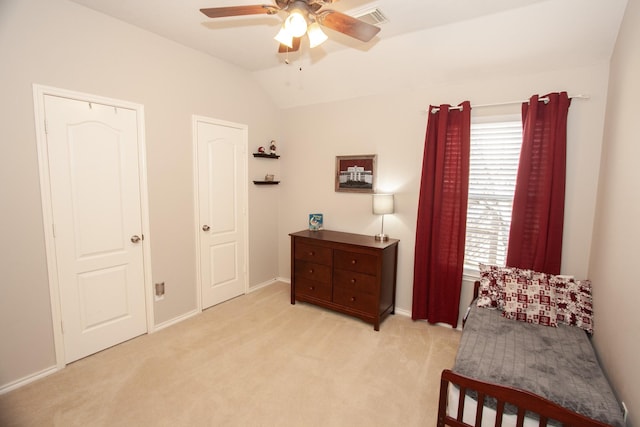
159, 291
625, 412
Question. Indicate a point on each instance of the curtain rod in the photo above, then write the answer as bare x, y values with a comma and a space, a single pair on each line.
498, 104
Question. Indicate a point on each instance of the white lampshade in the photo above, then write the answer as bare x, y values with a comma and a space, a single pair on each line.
316, 35
284, 37
296, 24
382, 204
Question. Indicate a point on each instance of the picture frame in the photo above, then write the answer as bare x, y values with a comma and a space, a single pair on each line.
316, 222
356, 174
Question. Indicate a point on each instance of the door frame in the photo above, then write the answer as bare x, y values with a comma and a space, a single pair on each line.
244, 197
39, 93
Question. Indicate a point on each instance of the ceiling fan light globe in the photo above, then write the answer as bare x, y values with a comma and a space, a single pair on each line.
316, 35
284, 37
296, 24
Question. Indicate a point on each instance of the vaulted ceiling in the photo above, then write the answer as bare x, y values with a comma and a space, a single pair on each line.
428, 38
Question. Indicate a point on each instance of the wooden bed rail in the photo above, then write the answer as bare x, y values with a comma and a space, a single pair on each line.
524, 401
476, 289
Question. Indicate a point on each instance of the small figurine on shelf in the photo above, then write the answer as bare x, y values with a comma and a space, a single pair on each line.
272, 148
261, 150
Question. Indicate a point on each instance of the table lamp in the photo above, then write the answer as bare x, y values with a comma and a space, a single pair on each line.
382, 205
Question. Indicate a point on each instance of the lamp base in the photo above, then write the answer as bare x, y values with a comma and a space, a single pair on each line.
381, 237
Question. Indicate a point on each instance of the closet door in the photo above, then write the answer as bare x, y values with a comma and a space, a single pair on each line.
95, 201
221, 151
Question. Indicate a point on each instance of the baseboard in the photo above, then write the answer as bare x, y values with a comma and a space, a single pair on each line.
175, 320
402, 312
267, 283
6, 388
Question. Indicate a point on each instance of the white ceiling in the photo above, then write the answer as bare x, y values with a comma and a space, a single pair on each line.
248, 41
421, 36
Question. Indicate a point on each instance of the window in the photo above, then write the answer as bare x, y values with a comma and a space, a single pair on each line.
495, 152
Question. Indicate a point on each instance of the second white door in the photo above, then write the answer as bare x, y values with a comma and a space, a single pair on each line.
221, 150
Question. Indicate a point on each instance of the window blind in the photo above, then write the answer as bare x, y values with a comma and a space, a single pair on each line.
495, 153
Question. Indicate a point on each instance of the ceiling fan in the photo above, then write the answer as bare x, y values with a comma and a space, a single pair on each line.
303, 17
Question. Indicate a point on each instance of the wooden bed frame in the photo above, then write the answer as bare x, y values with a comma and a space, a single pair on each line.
524, 401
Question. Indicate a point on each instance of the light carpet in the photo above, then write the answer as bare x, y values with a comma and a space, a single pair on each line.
256, 360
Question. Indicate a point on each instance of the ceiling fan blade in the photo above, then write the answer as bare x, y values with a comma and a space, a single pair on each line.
348, 25
296, 45
221, 12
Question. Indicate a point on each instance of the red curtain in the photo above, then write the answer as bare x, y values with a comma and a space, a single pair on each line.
535, 238
442, 214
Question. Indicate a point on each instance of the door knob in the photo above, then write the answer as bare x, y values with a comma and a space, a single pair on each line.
205, 227
135, 238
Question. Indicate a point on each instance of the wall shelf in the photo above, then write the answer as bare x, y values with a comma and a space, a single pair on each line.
266, 156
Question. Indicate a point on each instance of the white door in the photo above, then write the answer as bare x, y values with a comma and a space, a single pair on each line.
95, 202
222, 194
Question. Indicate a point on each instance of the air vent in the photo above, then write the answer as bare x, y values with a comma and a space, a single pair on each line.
371, 16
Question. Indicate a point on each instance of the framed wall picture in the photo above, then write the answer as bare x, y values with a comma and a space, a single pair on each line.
356, 174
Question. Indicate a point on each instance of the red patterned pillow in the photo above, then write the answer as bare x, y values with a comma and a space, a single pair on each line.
530, 299
491, 291
574, 302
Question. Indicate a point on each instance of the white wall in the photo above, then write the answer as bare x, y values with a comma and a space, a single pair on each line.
393, 127
61, 44
615, 249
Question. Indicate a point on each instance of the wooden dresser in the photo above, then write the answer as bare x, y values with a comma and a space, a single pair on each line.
350, 273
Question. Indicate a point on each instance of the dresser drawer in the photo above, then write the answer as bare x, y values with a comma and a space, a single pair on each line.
312, 271
313, 253
354, 281
355, 261
355, 300
313, 289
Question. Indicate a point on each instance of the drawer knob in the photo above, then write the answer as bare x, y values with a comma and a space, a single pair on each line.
353, 261
353, 299
311, 253
311, 288
311, 271
353, 281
